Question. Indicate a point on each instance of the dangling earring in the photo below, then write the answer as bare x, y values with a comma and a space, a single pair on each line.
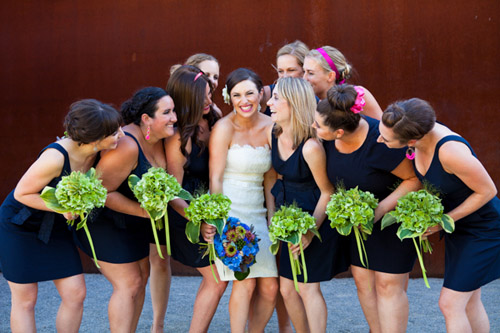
410, 153
259, 108
234, 110
147, 133
95, 147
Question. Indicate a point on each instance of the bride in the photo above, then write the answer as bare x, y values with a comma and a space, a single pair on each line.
240, 167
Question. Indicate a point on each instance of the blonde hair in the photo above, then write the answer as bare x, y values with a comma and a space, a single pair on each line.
297, 49
195, 60
300, 97
343, 67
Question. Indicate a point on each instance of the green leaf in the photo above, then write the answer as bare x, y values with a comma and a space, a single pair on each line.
240, 276
293, 238
387, 220
274, 247
132, 181
447, 223
316, 233
193, 232
185, 195
367, 228
345, 230
217, 223
49, 197
406, 233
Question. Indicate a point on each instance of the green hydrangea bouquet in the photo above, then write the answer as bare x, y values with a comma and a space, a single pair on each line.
153, 191
418, 211
288, 224
353, 209
78, 194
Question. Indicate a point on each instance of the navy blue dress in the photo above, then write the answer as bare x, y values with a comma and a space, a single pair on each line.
369, 168
195, 179
472, 251
326, 258
119, 238
37, 245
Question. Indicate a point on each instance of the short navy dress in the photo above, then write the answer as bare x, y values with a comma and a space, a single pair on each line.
195, 180
37, 245
369, 168
472, 251
119, 238
326, 258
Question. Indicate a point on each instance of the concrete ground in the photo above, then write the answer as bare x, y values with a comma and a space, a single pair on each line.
344, 312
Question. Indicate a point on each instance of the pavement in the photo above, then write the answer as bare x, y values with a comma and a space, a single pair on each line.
344, 311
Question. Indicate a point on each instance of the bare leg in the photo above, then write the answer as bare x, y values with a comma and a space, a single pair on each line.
294, 305
159, 286
367, 294
285, 326
22, 312
72, 291
239, 304
263, 304
455, 306
315, 306
127, 282
207, 300
392, 302
478, 318
141, 295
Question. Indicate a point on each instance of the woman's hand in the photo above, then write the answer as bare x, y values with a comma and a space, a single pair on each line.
432, 230
306, 241
68, 216
208, 232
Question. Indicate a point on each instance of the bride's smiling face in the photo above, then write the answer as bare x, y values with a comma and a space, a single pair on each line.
245, 98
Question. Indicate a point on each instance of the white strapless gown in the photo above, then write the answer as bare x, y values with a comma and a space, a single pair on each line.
243, 184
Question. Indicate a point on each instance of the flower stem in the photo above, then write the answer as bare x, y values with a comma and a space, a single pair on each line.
303, 257
421, 263
91, 243
361, 247
294, 269
155, 234
211, 257
167, 233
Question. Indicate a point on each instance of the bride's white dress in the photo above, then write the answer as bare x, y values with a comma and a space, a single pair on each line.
243, 184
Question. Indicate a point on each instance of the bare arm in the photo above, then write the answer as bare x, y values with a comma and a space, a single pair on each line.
47, 167
409, 183
371, 109
114, 167
269, 180
175, 167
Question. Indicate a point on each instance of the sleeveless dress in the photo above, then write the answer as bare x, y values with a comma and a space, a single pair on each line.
369, 168
242, 183
195, 179
472, 251
37, 245
326, 258
119, 238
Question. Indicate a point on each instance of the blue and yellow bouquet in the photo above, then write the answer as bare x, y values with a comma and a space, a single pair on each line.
237, 247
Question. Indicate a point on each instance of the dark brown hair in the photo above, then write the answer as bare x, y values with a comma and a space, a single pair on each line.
89, 120
410, 119
243, 74
144, 101
336, 108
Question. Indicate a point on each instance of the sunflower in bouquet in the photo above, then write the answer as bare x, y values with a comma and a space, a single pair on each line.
288, 224
418, 211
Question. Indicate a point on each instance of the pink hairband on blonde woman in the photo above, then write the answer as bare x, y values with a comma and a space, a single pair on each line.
197, 76
331, 64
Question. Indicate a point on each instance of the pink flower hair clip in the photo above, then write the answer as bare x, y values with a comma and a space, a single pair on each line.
359, 103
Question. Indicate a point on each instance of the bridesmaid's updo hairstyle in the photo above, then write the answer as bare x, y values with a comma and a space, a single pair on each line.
89, 120
194, 60
145, 101
409, 119
243, 74
336, 108
343, 67
299, 95
297, 49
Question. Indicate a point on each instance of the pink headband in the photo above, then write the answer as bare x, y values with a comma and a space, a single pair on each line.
197, 76
331, 63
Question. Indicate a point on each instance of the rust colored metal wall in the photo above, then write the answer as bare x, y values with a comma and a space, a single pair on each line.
56, 52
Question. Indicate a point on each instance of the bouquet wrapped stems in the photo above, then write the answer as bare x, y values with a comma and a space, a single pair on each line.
360, 238
295, 265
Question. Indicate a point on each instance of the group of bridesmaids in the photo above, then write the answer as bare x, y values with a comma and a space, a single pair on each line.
289, 142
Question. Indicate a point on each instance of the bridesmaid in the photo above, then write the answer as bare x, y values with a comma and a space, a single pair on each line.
240, 159
121, 233
35, 242
326, 67
289, 63
355, 159
472, 251
300, 161
187, 160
